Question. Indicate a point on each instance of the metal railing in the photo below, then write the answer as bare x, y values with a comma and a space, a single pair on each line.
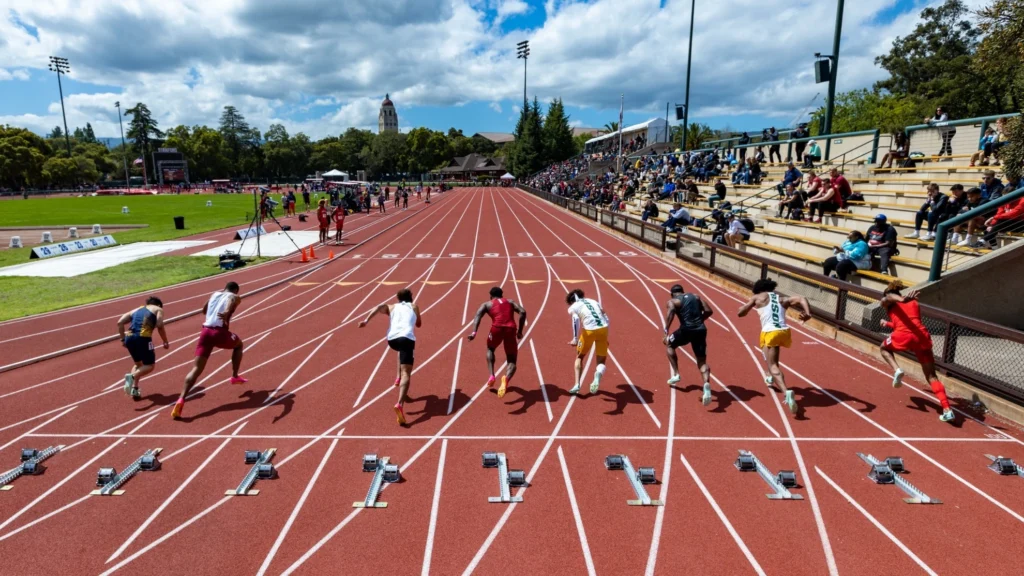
981, 353
942, 252
827, 138
982, 120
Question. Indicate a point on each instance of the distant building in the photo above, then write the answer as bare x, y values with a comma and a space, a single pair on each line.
387, 120
587, 131
502, 138
473, 166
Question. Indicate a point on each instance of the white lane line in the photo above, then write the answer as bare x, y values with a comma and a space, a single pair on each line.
587, 558
635, 391
455, 375
297, 368
33, 432
138, 532
68, 478
666, 474
910, 554
372, 375
428, 551
807, 439
540, 382
295, 511
916, 450
721, 516
476, 236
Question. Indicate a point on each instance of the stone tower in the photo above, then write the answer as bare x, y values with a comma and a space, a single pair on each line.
387, 120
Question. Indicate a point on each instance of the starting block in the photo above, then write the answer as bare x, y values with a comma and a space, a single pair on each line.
383, 471
884, 472
638, 477
110, 481
779, 483
506, 478
31, 465
1005, 466
261, 469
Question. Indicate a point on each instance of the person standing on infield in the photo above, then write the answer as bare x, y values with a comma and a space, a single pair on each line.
215, 334
503, 333
139, 341
404, 319
692, 312
771, 308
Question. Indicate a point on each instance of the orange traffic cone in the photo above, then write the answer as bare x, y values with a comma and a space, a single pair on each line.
304, 257
330, 255
312, 254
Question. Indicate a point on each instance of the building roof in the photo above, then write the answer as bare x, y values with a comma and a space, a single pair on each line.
635, 128
387, 100
474, 163
587, 131
496, 137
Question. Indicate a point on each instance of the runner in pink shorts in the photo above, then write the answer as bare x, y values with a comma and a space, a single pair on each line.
215, 334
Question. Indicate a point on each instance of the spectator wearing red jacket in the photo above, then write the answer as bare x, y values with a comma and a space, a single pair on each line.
1008, 216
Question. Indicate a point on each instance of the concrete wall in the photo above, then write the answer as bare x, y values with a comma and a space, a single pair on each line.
988, 288
929, 141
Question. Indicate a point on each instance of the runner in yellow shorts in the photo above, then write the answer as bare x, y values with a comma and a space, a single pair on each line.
589, 329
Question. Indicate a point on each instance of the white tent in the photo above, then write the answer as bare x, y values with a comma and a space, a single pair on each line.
654, 130
508, 176
335, 174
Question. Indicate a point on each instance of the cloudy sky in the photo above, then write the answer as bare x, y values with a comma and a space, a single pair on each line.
321, 66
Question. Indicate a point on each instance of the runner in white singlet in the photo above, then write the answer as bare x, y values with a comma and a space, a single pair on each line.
404, 317
771, 309
589, 329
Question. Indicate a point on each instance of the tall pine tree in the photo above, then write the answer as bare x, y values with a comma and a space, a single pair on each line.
527, 154
143, 130
558, 139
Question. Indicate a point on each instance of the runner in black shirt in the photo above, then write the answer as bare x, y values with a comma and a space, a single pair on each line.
692, 312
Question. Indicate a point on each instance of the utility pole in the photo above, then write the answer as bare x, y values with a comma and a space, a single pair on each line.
689, 59
61, 66
124, 149
523, 51
834, 57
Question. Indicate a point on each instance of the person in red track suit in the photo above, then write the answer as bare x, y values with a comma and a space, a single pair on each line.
910, 335
321, 218
504, 332
339, 223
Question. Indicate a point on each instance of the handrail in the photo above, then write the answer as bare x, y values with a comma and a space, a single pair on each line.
780, 132
942, 232
983, 120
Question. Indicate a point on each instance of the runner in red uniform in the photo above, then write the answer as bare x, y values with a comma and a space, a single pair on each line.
503, 332
321, 217
910, 335
339, 223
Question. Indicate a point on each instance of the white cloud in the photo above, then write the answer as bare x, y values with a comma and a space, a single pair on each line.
576, 123
272, 61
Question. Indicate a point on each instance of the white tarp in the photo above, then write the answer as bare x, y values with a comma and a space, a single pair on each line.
78, 264
273, 244
654, 131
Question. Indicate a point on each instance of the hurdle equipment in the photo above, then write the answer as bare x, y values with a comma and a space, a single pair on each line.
637, 479
31, 465
882, 472
209, 203
1005, 466
97, 229
110, 481
46, 238
261, 469
779, 483
383, 471
124, 209
72, 232
506, 478
15, 242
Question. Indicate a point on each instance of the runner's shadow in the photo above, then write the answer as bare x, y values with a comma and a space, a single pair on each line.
251, 400
625, 397
528, 398
815, 398
722, 399
435, 406
161, 400
929, 405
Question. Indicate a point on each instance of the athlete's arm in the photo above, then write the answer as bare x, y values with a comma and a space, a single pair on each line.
419, 317
382, 309
801, 304
575, 328
121, 322
670, 307
746, 308
522, 318
912, 295
890, 299
160, 327
707, 310
476, 319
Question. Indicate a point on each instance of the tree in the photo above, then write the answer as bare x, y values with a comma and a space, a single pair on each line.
869, 109
1001, 50
557, 135
428, 149
1012, 155
482, 145
327, 154
277, 151
56, 133
353, 142
236, 133
22, 156
526, 154
143, 130
204, 148
611, 127
696, 135
579, 142
90, 136
385, 155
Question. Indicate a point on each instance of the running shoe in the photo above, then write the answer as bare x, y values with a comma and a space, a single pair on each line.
400, 414
129, 383
501, 389
791, 401
134, 393
594, 386
897, 378
398, 381
238, 380
769, 380
490, 381
575, 389
176, 411
947, 415
705, 398
674, 380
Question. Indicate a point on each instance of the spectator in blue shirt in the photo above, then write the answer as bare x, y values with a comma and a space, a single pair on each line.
667, 191
991, 187
853, 255
792, 176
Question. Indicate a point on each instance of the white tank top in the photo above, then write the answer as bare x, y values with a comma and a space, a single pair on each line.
403, 322
219, 302
773, 316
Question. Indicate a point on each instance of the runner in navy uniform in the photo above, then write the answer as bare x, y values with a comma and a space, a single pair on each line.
692, 312
139, 341
503, 333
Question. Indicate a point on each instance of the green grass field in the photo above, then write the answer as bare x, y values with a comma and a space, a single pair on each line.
19, 295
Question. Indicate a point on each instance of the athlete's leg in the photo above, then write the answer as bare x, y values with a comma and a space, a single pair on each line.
579, 370
888, 357
772, 356
673, 362
940, 391
705, 370
403, 386
490, 362
236, 360
141, 370
598, 373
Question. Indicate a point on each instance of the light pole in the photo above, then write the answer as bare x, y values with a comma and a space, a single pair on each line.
523, 51
124, 150
61, 66
834, 59
689, 58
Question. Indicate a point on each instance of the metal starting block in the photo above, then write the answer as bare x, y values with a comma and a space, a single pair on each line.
261, 469
31, 465
383, 471
506, 478
637, 479
110, 481
779, 483
1005, 466
882, 472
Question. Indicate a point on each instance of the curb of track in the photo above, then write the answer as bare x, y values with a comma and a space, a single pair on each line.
104, 340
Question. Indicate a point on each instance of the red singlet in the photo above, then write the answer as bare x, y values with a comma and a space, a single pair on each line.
501, 314
339, 218
321, 216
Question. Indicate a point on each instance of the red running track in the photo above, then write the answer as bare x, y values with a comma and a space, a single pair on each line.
320, 392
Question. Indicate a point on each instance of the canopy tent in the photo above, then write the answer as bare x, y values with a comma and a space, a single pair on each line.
508, 176
654, 130
335, 174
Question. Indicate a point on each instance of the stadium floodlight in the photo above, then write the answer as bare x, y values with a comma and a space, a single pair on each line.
124, 148
523, 51
61, 66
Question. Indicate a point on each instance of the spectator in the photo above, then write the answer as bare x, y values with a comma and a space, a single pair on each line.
678, 216
984, 147
973, 201
842, 187
719, 193
743, 141
668, 191
1009, 216
897, 151
882, 242
692, 193
1001, 140
1013, 183
773, 150
826, 201
759, 155
755, 168
813, 155
793, 203
945, 132
934, 210
791, 176
991, 187
650, 209
853, 255
742, 174
798, 134
737, 233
